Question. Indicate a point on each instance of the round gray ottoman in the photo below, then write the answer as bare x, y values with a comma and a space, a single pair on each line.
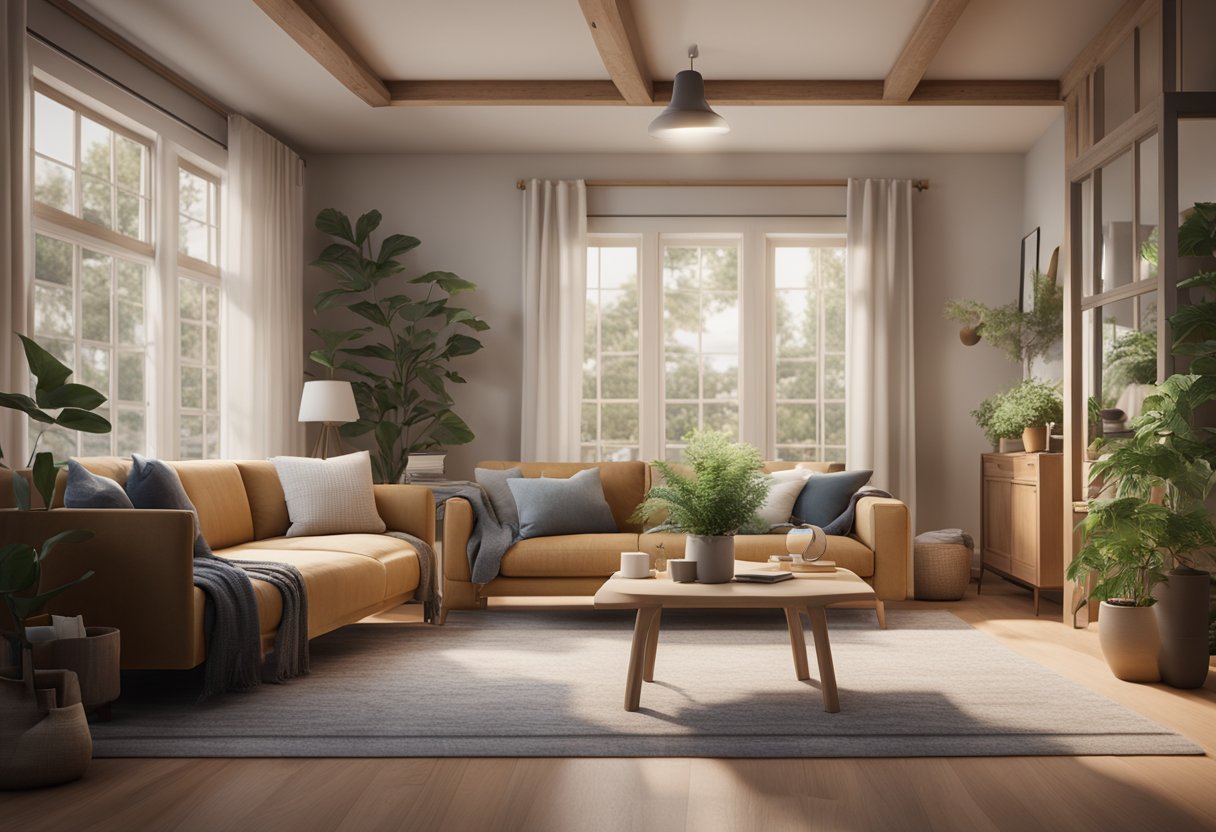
940, 571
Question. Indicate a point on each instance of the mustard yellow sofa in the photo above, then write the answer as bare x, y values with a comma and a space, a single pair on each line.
142, 559
878, 550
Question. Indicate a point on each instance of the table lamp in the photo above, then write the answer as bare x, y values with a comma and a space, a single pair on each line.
331, 403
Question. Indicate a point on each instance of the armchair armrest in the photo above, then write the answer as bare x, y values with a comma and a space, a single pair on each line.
407, 508
457, 526
882, 524
143, 581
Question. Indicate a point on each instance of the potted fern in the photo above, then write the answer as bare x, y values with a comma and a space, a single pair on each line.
726, 487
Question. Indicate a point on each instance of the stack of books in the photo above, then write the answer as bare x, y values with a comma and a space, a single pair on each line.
425, 467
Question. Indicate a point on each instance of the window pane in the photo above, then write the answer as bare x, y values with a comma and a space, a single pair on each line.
833, 376
720, 377
96, 198
54, 129
96, 283
796, 380
53, 313
192, 387
680, 269
96, 141
1146, 240
620, 379
94, 369
52, 260
619, 423
190, 299
130, 159
796, 424
833, 424
192, 341
192, 195
54, 185
682, 381
130, 432
130, 219
720, 269
131, 377
192, 238
590, 431
190, 437
97, 444
619, 325
1118, 241
618, 267
797, 324
722, 417
681, 418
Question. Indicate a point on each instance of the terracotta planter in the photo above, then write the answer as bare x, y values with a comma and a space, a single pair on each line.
1034, 439
1183, 601
715, 557
1130, 642
95, 661
45, 739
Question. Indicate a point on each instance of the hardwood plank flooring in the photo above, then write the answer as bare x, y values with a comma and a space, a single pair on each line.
705, 795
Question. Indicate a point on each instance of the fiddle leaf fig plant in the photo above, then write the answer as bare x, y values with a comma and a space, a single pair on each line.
56, 402
402, 362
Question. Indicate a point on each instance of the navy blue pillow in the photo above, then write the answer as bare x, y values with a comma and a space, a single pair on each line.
826, 496
87, 490
154, 484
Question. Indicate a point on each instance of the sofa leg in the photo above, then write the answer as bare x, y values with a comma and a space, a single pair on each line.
881, 609
443, 616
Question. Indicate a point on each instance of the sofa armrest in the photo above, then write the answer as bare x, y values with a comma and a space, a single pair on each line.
143, 581
457, 526
882, 524
407, 508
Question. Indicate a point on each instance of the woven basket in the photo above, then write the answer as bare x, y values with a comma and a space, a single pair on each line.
941, 571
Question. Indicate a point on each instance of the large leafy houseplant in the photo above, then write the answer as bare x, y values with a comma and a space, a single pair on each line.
723, 492
402, 362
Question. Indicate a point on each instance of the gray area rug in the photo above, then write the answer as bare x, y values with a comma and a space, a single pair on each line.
510, 683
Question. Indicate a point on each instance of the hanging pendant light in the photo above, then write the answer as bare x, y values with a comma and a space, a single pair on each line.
689, 115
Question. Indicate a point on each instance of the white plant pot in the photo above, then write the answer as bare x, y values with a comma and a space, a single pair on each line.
715, 557
1130, 642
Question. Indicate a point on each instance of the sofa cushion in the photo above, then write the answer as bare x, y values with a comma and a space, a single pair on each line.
826, 496
494, 482
267, 502
550, 506
624, 483
329, 496
154, 484
845, 551
568, 556
218, 493
88, 490
399, 558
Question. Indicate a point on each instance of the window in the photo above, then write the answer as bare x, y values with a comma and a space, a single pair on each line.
727, 324
118, 308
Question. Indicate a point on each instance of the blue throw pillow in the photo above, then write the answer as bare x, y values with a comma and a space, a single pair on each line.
154, 484
556, 506
826, 496
494, 482
87, 490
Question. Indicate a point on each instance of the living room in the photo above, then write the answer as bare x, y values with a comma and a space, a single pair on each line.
913, 234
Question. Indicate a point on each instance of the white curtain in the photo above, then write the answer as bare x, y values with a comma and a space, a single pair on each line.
555, 288
263, 343
14, 289
880, 396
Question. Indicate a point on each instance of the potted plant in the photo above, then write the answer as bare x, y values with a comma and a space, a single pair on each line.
997, 433
402, 362
726, 487
1022, 335
1027, 409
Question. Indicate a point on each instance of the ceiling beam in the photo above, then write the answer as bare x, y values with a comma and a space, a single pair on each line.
308, 27
918, 52
616, 37
729, 93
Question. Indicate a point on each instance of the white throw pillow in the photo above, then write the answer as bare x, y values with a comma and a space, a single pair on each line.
329, 496
779, 504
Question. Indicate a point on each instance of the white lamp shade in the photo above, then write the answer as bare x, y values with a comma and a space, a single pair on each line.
328, 401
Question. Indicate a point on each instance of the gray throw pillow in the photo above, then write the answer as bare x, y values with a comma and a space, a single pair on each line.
154, 484
87, 490
556, 506
494, 481
826, 496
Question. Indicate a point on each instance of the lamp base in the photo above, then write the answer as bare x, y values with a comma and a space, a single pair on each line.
329, 442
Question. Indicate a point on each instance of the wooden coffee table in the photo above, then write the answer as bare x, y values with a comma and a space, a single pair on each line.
812, 594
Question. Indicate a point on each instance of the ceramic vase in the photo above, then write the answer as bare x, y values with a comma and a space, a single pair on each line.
715, 557
1183, 601
1130, 642
1034, 439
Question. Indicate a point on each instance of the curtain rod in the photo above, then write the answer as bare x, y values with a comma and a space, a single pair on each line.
919, 184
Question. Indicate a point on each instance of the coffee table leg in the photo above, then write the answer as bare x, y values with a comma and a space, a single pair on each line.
637, 656
652, 646
823, 651
797, 643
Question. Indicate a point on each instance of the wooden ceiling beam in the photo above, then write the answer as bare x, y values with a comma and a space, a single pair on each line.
928, 37
616, 37
729, 93
308, 27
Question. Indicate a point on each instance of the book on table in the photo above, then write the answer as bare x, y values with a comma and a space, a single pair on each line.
766, 577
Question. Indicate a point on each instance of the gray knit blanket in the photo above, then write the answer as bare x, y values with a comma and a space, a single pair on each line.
232, 630
842, 525
489, 540
425, 594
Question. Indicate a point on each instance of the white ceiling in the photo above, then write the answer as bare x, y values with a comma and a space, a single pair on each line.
235, 52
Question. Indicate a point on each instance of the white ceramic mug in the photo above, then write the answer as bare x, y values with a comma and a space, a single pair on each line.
635, 565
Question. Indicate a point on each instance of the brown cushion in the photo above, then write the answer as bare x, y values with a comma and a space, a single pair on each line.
267, 503
568, 556
399, 559
624, 483
845, 551
218, 493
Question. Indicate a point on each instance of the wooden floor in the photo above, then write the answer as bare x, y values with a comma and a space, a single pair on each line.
1014, 793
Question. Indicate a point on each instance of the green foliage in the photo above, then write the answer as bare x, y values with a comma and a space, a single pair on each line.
1130, 359
55, 402
21, 577
1030, 403
402, 369
726, 488
1023, 336
1163, 475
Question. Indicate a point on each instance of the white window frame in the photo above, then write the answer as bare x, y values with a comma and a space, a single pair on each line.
757, 310
171, 144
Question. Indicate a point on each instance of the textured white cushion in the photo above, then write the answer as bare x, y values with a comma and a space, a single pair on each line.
329, 496
779, 504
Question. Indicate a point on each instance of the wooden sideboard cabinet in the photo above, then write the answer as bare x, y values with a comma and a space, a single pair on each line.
1021, 524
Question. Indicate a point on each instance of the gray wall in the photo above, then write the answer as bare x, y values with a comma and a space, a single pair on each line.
466, 211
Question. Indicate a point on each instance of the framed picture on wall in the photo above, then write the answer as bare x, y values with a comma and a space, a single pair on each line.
1030, 265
